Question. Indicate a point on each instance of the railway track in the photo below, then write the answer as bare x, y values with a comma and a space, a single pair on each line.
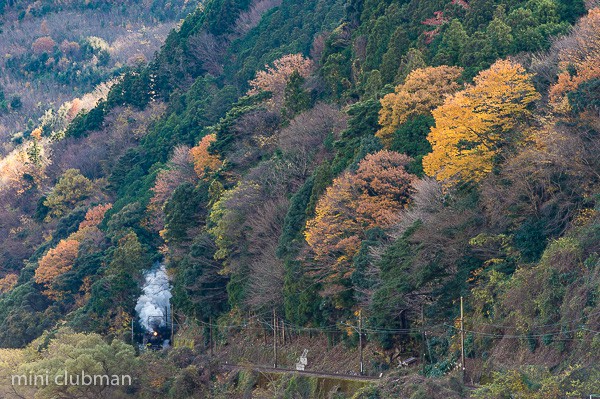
228, 366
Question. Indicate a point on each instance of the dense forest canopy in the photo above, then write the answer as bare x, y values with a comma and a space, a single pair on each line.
316, 161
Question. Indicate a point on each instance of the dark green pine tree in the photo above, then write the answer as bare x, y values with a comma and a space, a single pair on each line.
120, 287
411, 139
453, 42
182, 212
397, 47
374, 84
296, 98
499, 39
410, 61
199, 289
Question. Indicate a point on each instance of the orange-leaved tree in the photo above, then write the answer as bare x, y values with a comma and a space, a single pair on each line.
579, 60
423, 90
474, 126
333, 234
89, 235
55, 263
373, 196
202, 159
384, 188
94, 216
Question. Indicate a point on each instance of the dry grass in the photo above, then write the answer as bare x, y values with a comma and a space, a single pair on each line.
256, 349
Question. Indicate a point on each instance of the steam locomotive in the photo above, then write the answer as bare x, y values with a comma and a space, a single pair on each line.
157, 338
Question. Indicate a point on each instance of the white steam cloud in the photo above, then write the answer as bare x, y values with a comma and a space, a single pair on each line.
153, 305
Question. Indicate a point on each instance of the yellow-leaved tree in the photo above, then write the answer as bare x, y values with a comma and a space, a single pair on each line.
69, 191
423, 90
474, 126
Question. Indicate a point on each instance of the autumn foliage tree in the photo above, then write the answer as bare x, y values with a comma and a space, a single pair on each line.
373, 196
474, 126
333, 234
89, 235
94, 216
44, 44
179, 170
579, 60
71, 188
384, 188
8, 282
202, 159
59, 260
12, 168
55, 263
274, 78
423, 90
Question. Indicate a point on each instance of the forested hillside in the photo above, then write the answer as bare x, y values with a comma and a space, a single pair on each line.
58, 57
320, 163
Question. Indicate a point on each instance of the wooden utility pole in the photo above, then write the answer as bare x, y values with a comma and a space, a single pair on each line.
360, 340
265, 342
132, 335
423, 336
211, 335
172, 328
462, 339
274, 339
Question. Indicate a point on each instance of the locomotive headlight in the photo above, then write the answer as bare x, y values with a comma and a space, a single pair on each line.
155, 333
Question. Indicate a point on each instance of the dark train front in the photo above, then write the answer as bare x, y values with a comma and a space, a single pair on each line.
157, 338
